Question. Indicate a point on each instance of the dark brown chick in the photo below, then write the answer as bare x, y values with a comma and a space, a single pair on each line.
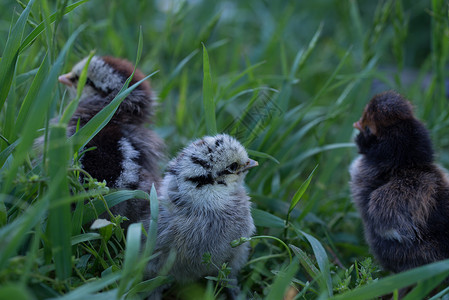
127, 153
401, 194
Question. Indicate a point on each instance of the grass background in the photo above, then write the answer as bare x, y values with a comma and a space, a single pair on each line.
287, 78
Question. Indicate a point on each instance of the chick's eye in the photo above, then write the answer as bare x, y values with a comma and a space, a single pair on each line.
233, 166
367, 130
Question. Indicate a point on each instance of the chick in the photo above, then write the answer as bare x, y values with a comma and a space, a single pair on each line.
126, 153
203, 207
402, 196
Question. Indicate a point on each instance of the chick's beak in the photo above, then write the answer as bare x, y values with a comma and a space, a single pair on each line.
66, 79
250, 164
358, 125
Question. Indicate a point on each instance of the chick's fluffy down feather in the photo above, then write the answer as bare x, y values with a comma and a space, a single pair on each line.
203, 208
402, 196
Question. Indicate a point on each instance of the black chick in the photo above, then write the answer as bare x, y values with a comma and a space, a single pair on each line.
401, 194
126, 154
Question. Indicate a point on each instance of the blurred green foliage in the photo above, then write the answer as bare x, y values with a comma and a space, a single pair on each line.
287, 78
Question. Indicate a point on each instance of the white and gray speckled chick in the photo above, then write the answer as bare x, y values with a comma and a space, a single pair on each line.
127, 153
204, 206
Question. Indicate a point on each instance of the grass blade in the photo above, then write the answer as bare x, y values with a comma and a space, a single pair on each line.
150, 244
13, 234
208, 28
262, 155
133, 239
149, 285
40, 28
87, 290
265, 219
302, 55
322, 260
310, 267
39, 108
7, 152
100, 120
11, 54
71, 107
152, 230
15, 291
139, 48
37, 83
423, 288
175, 73
317, 150
59, 216
208, 96
300, 192
85, 237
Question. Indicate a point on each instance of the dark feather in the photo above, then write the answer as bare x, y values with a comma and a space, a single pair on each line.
202, 180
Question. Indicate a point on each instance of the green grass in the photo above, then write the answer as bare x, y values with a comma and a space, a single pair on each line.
287, 79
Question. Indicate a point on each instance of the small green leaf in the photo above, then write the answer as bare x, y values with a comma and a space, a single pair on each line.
265, 219
322, 260
307, 263
85, 237
100, 223
300, 191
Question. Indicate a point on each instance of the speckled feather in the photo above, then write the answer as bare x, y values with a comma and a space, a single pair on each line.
199, 216
402, 196
106, 76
